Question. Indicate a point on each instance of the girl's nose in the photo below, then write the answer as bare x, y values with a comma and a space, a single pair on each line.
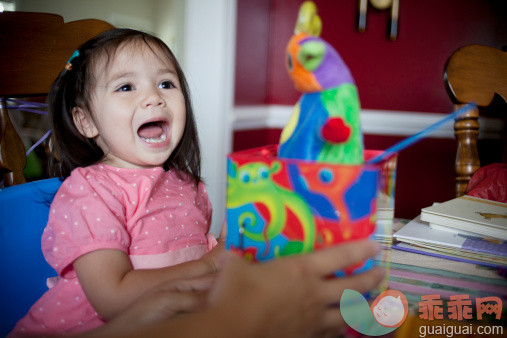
152, 98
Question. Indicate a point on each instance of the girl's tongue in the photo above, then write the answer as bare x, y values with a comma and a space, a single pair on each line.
150, 130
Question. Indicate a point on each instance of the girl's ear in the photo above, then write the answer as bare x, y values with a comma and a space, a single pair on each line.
84, 123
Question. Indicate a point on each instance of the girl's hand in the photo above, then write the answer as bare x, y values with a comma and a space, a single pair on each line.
223, 232
214, 258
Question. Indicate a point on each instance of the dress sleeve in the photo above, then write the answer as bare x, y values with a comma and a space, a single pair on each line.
85, 215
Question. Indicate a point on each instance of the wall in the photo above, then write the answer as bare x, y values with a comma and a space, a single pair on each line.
163, 18
403, 76
209, 66
169, 22
134, 14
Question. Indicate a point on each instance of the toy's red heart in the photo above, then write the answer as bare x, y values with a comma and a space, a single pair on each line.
335, 130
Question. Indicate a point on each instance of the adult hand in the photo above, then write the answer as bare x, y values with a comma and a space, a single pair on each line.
160, 303
292, 296
288, 297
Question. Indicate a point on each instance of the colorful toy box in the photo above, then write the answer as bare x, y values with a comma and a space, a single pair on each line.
278, 207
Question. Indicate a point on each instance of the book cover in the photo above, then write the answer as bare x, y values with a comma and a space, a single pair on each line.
453, 230
410, 248
472, 214
418, 233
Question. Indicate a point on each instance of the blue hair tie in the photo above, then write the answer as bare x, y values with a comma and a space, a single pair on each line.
68, 66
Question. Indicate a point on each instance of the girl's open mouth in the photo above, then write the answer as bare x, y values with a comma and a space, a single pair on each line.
153, 132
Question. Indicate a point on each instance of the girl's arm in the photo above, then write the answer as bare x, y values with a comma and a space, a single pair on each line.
110, 283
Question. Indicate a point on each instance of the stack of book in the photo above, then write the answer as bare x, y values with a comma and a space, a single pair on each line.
417, 274
456, 247
469, 215
466, 228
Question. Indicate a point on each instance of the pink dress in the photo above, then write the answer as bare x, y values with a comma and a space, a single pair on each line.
155, 217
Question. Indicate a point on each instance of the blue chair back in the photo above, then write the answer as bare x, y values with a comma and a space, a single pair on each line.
24, 213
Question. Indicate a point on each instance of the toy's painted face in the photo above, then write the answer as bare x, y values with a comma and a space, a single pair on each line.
302, 59
253, 175
314, 65
389, 311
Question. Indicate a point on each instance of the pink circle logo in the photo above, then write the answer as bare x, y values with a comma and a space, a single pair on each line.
390, 308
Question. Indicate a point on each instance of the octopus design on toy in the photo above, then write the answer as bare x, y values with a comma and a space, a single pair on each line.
347, 197
325, 124
249, 188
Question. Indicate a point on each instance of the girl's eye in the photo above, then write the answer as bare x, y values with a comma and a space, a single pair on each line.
166, 85
125, 88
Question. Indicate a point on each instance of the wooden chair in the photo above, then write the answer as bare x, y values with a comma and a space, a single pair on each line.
473, 73
34, 48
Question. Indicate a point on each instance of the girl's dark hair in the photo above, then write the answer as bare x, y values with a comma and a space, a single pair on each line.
73, 87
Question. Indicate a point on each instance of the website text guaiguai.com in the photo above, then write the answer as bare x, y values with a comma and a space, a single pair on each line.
459, 309
458, 330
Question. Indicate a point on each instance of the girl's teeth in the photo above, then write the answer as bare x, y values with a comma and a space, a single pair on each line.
162, 138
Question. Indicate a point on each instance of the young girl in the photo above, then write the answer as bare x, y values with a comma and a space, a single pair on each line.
132, 212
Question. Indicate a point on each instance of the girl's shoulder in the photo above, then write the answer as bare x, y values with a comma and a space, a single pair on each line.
100, 170
121, 179
88, 188
181, 177
92, 173
91, 178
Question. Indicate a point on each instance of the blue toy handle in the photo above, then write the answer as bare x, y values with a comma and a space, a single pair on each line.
420, 135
